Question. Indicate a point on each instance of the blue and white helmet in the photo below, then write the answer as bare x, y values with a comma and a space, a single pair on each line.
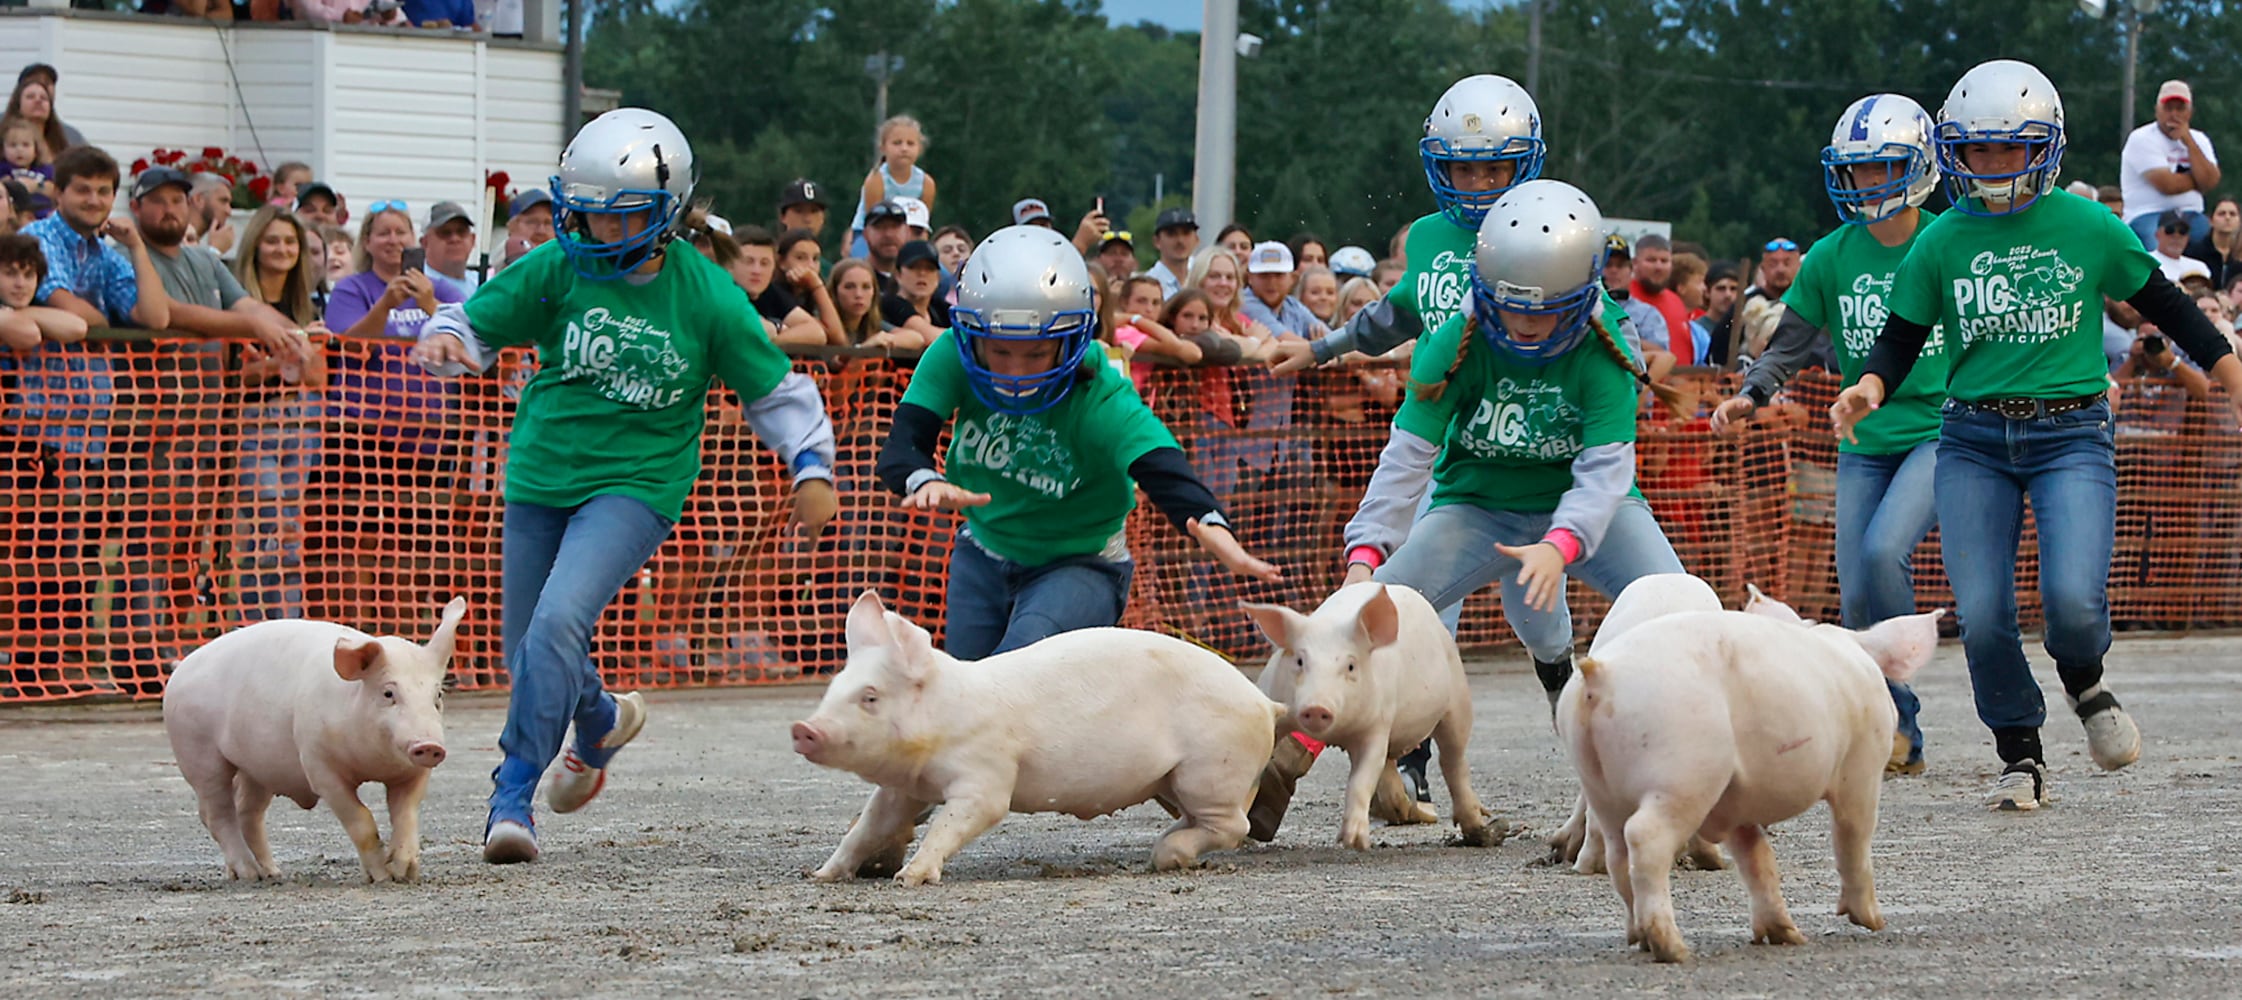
1023, 284
1879, 129
1481, 119
625, 162
2000, 101
1541, 252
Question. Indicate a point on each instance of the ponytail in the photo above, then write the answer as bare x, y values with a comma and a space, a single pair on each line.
1431, 392
1681, 403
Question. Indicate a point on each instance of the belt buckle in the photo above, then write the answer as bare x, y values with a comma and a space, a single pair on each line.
2016, 409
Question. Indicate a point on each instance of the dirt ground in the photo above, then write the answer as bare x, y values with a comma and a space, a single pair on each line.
685, 878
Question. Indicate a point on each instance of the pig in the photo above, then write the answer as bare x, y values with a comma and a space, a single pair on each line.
1722, 723
311, 710
1579, 842
1373, 672
1086, 723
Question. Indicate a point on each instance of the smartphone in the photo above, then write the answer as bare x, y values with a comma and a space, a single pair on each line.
416, 259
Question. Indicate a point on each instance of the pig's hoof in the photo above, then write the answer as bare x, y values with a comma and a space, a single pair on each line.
916, 876
1703, 856
1354, 836
1665, 943
1485, 835
405, 869
1778, 934
1870, 916
827, 874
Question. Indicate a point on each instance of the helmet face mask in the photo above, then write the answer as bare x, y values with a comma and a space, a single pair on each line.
1540, 254
624, 183
1999, 103
1481, 119
1024, 286
1881, 130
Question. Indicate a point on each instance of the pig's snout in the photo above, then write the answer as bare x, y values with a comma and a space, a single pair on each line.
1315, 718
426, 753
808, 741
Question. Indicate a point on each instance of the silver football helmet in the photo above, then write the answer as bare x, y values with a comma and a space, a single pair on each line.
1881, 129
2002, 101
1540, 253
627, 162
1484, 118
1023, 284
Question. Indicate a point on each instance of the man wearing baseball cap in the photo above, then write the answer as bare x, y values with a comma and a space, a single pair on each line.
204, 296
317, 203
802, 206
887, 226
449, 239
1175, 234
2167, 166
1031, 212
1269, 273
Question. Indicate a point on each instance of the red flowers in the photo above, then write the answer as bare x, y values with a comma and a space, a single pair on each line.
250, 187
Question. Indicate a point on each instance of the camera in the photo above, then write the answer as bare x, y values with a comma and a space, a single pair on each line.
2152, 343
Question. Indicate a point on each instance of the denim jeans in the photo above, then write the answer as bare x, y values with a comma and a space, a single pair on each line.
1884, 508
562, 567
1451, 553
2067, 464
997, 605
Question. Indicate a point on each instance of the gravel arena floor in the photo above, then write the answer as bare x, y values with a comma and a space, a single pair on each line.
685, 878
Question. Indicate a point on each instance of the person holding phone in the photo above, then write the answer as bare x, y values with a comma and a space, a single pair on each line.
379, 312
392, 294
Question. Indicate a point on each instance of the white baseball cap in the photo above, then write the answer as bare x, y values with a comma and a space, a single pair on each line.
1269, 258
914, 212
1353, 262
2175, 90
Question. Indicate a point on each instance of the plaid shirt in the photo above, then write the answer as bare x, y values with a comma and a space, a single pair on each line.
85, 267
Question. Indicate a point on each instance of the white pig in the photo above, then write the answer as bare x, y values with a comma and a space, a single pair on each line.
1580, 842
1373, 672
311, 710
1722, 723
1086, 723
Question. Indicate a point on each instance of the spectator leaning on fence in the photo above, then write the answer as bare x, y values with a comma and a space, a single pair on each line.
1269, 276
1175, 234
855, 290
93, 281
279, 266
755, 267
2167, 165
205, 298
916, 312
23, 326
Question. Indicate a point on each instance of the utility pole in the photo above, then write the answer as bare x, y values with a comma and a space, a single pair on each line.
1533, 48
2130, 16
882, 67
1215, 149
572, 96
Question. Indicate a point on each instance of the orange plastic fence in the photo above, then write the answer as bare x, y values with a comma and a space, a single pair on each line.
161, 492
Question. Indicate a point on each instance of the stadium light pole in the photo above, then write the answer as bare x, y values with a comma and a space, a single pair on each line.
1215, 147
2129, 14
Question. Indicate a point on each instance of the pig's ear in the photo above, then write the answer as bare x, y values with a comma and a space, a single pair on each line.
1280, 624
354, 657
1901, 646
867, 624
1761, 604
440, 645
1380, 619
914, 648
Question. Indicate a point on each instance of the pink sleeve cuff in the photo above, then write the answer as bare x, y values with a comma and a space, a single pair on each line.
1568, 544
1365, 554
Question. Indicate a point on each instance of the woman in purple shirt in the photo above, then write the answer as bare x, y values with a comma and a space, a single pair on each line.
379, 312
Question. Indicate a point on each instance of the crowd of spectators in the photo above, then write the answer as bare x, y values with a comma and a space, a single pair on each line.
501, 18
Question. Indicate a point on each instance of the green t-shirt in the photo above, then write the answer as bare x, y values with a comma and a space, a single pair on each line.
2022, 294
1437, 284
619, 398
1509, 432
1058, 481
1843, 287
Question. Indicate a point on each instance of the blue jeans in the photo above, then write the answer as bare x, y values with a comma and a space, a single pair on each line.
1884, 508
562, 567
1987, 464
1451, 553
2144, 226
997, 605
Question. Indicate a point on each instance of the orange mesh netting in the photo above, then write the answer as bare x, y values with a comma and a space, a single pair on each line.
160, 492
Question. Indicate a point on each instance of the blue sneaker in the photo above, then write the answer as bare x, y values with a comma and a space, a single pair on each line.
509, 840
583, 771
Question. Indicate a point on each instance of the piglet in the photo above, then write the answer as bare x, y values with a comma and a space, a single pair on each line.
311, 710
1722, 723
1086, 723
1373, 672
1579, 842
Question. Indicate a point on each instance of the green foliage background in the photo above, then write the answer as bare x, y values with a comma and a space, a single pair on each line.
1708, 113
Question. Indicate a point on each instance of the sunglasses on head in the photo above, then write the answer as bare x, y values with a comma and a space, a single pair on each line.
1779, 244
385, 206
